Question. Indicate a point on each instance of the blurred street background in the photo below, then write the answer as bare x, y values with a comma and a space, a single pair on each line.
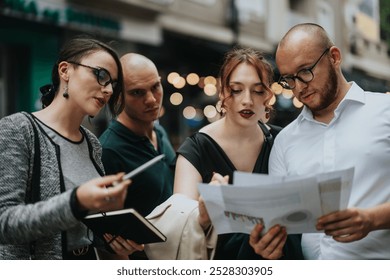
186, 39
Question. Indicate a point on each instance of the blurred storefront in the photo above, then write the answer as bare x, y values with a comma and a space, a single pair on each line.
32, 31
186, 39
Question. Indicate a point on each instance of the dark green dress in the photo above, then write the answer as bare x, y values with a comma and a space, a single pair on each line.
208, 157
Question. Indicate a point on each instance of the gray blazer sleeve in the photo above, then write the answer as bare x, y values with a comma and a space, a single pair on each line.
21, 223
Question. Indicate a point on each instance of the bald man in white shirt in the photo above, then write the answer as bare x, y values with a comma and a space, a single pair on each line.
340, 126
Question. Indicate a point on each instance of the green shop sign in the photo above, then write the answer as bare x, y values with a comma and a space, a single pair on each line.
57, 13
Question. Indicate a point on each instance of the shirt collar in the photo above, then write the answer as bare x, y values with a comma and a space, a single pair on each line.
354, 94
128, 133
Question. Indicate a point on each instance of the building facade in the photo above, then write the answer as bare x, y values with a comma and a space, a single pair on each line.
183, 37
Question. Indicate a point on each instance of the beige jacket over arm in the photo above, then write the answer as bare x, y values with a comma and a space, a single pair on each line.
177, 218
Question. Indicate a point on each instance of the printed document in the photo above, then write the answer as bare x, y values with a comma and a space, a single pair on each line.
291, 201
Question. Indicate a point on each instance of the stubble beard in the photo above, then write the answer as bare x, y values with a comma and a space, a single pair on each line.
328, 93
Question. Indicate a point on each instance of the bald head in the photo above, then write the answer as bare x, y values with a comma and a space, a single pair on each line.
143, 92
306, 34
134, 62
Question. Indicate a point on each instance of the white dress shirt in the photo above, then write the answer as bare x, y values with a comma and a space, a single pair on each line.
358, 136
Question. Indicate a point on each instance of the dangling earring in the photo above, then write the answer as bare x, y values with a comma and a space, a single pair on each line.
65, 94
267, 113
220, 109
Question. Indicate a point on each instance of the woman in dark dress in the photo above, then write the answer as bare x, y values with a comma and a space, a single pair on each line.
237, 141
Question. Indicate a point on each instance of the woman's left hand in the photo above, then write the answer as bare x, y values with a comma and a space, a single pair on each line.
204, 219
218, 179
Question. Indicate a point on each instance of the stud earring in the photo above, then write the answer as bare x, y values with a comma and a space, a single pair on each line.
65, 94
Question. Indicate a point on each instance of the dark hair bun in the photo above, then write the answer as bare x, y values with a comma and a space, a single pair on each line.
48, 93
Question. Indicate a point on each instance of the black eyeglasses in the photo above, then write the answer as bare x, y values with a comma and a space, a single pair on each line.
304, 75
102, 75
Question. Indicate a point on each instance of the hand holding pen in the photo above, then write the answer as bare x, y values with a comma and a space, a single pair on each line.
94, 195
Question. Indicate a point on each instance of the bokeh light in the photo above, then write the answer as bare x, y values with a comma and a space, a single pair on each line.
179, 82
210, 80
276, 88
189, 112
210, 89
172, 76
210, 111
192, 79
176, 98
297, 103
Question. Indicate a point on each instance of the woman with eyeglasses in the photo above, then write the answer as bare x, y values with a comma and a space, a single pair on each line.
51, 174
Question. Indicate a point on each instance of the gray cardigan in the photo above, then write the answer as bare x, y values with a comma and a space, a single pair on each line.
43, 222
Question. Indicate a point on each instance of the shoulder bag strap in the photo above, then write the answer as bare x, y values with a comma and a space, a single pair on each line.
267, 133
269, 141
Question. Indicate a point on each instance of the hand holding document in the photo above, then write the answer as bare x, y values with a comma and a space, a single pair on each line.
294, 202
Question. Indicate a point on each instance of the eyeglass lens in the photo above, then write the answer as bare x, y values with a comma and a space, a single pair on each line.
103, 77
304, 75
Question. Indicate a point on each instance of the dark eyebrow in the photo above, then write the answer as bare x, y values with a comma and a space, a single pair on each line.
290, 75
109, 73
260, 84
131, 91
300, 67
136, 89
239, 83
